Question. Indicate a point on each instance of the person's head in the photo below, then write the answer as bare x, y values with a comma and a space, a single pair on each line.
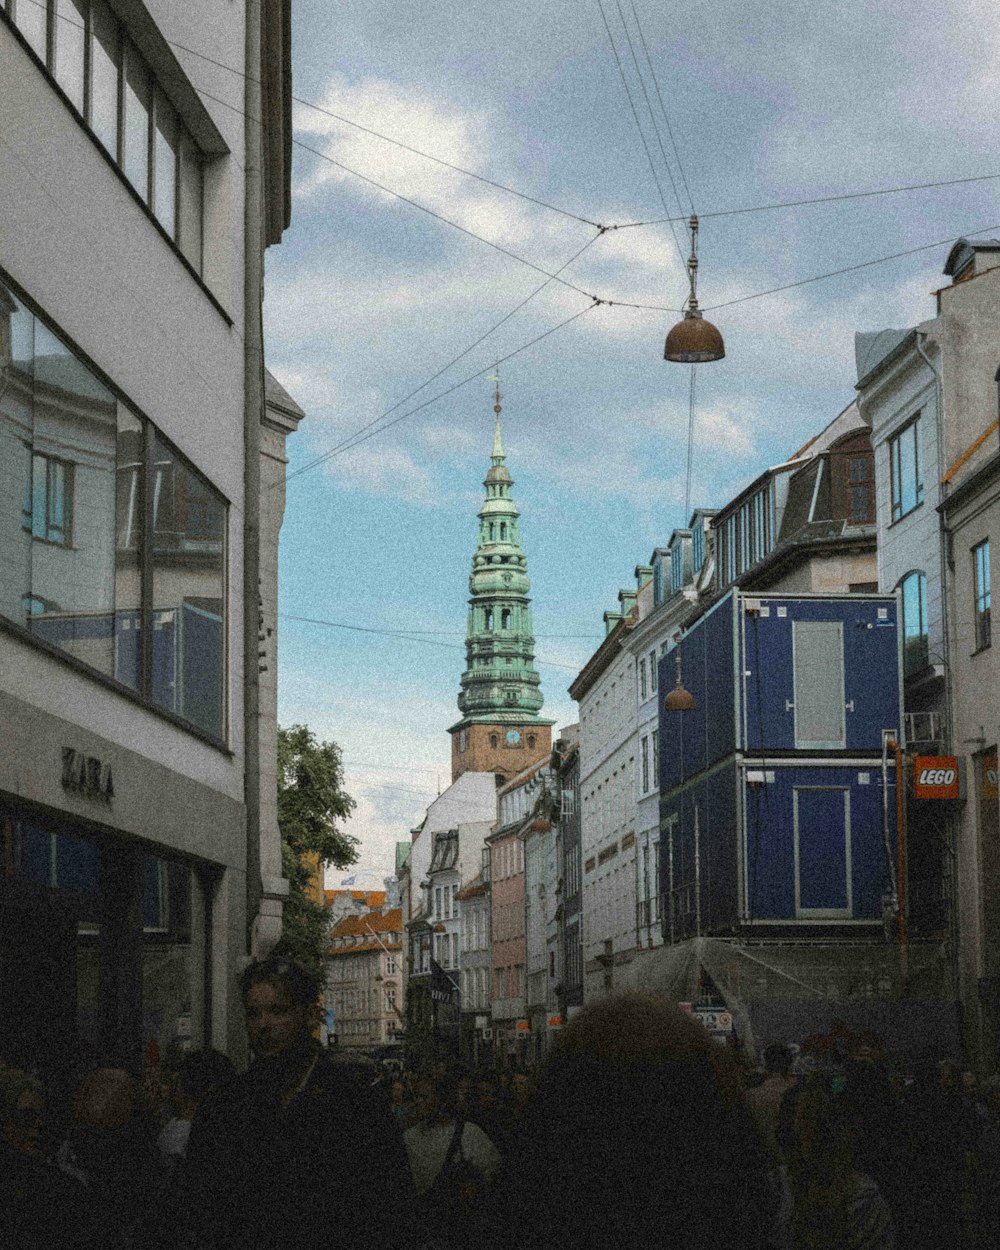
280, 1001
777, 1059
397, 1092
23, 1111
640, 1099
105, 1098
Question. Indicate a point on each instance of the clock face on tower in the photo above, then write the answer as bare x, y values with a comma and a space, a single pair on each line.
513, 737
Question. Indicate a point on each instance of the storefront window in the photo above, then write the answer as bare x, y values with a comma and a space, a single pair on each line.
102, 948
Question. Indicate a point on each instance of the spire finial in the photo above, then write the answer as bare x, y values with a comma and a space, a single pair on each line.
498, 451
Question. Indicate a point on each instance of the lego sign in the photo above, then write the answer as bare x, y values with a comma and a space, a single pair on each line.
935, 777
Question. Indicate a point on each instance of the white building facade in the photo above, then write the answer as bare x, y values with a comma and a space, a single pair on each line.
142, 473
605, 691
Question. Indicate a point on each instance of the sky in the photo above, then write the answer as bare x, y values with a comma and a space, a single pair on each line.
369, 297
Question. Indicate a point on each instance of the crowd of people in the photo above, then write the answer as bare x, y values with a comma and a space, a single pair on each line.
639, 1129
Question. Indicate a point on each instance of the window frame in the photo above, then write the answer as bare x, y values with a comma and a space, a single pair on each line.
909, 430
981, 591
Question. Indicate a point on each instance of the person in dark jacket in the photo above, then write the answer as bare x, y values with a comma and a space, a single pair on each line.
40, 1206
637, 1135
299, 1150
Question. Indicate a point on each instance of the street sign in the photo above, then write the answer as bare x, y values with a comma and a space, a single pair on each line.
555, 1022
717, 1020
523, 1026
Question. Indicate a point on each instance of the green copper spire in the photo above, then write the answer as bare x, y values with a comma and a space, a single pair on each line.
500, 684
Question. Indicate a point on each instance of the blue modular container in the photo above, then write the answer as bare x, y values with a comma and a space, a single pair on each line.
783, 674
794, 843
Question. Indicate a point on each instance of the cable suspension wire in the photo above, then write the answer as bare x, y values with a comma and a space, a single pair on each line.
496, 326
656, 129
690, 448
447, 220
663, 109
820, 199
865, 264
638, 125
353, 442
447, 646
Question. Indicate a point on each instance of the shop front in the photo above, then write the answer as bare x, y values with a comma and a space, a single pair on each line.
121, 934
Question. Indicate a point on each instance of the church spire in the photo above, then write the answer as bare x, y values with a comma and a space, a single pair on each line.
498, 456
500, 697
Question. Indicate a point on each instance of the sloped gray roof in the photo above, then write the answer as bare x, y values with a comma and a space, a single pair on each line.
871, 347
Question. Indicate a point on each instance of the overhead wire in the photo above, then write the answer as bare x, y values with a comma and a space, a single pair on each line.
652, 118
444, 369
638, 126
659, 138
663, 109
836, 273
348, 444
430, 642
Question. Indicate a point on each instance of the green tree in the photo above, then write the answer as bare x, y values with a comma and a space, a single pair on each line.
311, 800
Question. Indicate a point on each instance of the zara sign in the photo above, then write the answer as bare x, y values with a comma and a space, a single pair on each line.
87, 775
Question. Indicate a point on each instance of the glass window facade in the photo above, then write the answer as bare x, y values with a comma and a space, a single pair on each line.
129, 115
113, 545
906, 476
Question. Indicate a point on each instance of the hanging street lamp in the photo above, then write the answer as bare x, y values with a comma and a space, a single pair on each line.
693, 340
679, 699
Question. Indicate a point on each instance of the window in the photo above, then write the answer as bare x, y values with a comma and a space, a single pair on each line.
677, 565
652, 671
698, 545
505, 620
981, 573
48, 500
861, 484
437, 902
914, 596
390, 965
818, 665
79, 584
153, 148
905, 474
655, 749
644, 756
642, 678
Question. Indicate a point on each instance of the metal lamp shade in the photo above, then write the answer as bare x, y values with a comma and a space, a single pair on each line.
694, 341
679, 700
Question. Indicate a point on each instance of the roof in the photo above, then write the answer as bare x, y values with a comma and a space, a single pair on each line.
964, 251
874, 349
367, 927
372, 898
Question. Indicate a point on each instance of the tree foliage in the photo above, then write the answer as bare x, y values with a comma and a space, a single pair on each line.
311, 801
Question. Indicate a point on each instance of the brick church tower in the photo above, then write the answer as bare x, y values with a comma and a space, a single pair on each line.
500, 730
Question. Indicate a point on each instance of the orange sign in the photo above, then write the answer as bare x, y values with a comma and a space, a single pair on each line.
523, 1026
935, 777
555, 1022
